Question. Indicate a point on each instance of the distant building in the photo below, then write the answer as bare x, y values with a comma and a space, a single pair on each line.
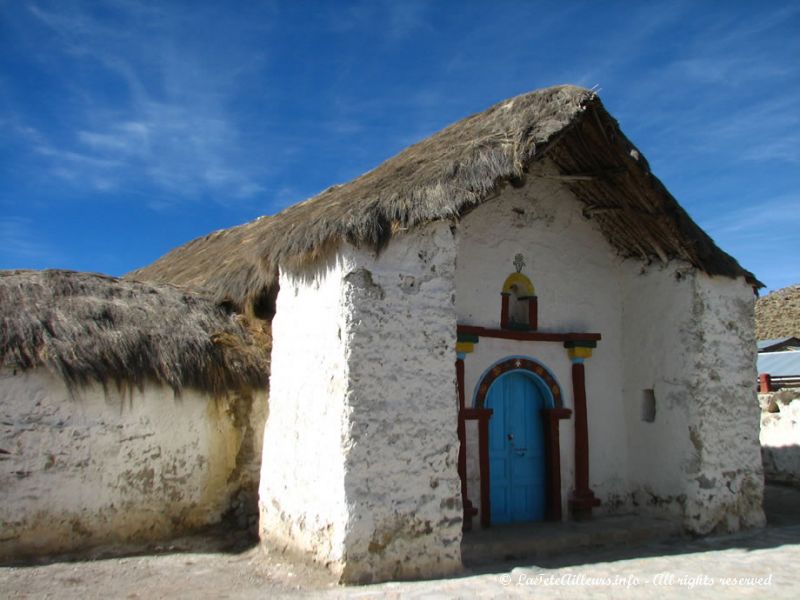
779, 345
778, 369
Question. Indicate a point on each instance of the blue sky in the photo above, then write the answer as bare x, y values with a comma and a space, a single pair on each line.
129, 128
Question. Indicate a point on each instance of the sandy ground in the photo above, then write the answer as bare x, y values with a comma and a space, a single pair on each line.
212, 564
222, 564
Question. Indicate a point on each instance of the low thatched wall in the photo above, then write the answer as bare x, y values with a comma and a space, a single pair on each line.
128, 411
89, 328
94, 466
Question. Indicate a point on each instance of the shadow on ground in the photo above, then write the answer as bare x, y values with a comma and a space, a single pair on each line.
781, 506
223, 538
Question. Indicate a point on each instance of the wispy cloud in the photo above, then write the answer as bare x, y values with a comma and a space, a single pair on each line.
154, 114
763, 235
251, 106
726, 83
760, 218
771, 126
23, 244
396, 20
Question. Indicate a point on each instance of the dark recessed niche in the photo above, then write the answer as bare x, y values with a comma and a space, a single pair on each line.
648, 405
264, 304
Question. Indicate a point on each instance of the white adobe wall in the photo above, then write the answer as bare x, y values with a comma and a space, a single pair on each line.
363, 413
402, 472
671, 329
726, 482
99, 466
657, 313
577, 281
301, 495
689, 337
780, 435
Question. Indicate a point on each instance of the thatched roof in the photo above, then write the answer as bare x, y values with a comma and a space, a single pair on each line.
224, 264
778, 314
445, 176
87, 327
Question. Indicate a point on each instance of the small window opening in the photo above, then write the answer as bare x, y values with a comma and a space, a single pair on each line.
517, 310
648, 405
518, 302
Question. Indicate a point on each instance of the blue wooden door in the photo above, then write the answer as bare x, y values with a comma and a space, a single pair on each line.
516, 449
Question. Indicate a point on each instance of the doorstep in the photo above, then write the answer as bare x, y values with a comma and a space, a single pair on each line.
547, 539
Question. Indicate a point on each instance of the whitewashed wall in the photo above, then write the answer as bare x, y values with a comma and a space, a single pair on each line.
363, 413
577, 281
689, 337
684, 335
402, 477
100, 466
657, 313
359, 465
301, 496
780, 436
725, 478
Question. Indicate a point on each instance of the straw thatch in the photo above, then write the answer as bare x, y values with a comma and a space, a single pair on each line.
446, 175
223, 264
778, 314
87, 327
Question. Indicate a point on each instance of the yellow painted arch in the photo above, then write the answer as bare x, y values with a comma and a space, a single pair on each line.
523, 284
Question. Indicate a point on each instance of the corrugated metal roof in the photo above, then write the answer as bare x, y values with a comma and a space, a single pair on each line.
766, 344
780, 364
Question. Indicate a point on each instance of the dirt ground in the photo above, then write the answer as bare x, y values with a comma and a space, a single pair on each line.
211, 564
222, 563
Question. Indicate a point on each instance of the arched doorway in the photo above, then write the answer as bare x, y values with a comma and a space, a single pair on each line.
517, 448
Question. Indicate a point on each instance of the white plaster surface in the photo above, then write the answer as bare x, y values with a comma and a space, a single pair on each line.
363, 413
401, 477
577, 281
689, 337
725, 480
360, 455
668, 328
100, 466
301, 496
780, 436
658, 327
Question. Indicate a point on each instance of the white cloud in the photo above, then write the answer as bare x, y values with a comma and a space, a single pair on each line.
22, 243
767, 215
166, 123
396, 19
